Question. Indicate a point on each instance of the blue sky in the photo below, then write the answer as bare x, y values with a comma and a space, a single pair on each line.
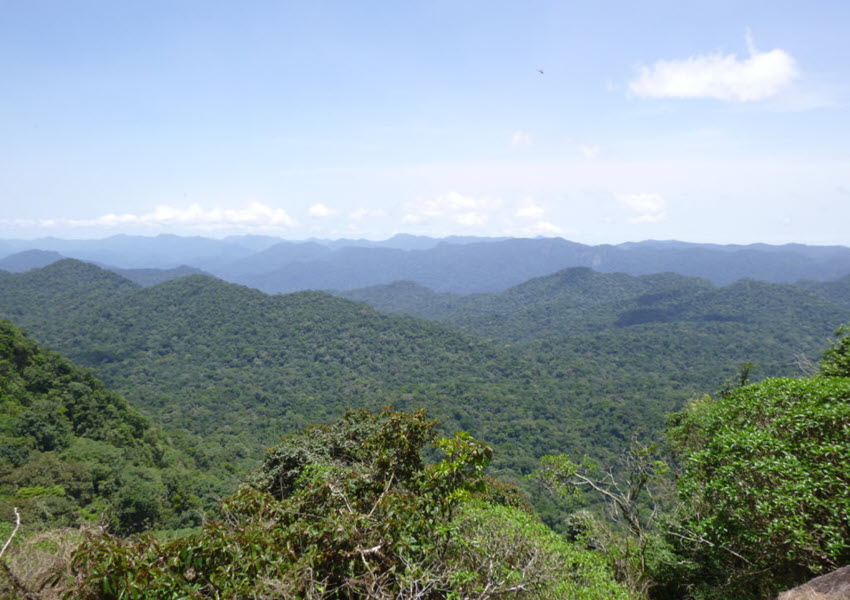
699, 121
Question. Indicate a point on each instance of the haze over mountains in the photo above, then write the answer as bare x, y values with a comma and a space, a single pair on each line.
459, 265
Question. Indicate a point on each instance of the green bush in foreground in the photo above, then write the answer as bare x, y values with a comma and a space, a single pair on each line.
766, 474
351, 510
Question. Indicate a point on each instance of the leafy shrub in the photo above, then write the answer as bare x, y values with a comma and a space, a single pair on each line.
766, 471
352, 510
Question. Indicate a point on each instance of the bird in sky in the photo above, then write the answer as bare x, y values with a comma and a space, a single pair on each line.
540, 71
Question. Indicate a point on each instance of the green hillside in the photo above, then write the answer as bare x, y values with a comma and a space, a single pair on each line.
837, 291
73, 451
579, 300
43, 299
239, 367
619, 345
579, 363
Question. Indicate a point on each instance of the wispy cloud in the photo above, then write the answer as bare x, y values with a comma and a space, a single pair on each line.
759, 76
321, 210
255, 215
365, 213
454, 207
589, 151
529, 209
532, 222
541, 227
647, 208
521, 139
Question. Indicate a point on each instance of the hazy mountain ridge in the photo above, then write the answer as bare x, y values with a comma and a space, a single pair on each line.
28, 259
455, 264
149, 277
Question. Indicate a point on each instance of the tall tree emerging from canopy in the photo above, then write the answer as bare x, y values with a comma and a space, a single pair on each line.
353, 510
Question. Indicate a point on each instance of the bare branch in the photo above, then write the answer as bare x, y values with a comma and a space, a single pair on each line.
14, 531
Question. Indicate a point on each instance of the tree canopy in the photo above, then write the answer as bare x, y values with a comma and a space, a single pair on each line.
73, 451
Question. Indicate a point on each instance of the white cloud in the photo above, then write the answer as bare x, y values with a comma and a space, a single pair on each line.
363, 213
27, 223
542, 227
589, 151
720, 76
255, 215
647, 208
321, 210
471, 219
452, 206
531, 228
529, 209
521, 139
412, 219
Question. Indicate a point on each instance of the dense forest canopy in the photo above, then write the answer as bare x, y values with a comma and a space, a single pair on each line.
72, 451
568, 365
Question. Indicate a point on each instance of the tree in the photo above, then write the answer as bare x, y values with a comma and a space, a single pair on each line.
631, 491
46, 425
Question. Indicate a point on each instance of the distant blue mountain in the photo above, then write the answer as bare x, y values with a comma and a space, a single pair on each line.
455, 264
29, 259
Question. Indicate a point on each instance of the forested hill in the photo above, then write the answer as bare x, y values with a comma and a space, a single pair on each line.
579, 300
147, 277
619, 338
837, 291
44, 299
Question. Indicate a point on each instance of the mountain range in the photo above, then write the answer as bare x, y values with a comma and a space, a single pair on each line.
459, 265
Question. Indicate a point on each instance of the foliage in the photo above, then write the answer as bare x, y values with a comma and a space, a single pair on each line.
72, 451
835, 361
353, 510
765, 474
633, 492
578, 301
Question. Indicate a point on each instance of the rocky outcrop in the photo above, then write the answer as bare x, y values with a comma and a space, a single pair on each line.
832, 586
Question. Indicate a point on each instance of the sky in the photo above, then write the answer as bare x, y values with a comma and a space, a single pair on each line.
599, 122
